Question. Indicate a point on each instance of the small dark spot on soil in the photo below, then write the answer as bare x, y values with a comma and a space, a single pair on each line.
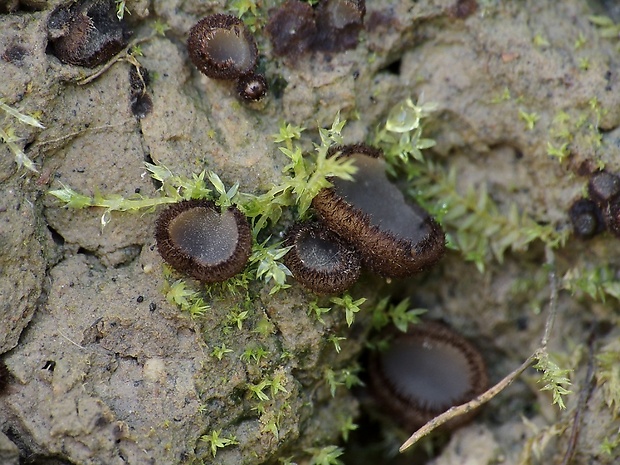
522, 323
141, 105
50, 365
140, 299
392, 68
136, 190
14, 54
4, 377
463, 9
152, 306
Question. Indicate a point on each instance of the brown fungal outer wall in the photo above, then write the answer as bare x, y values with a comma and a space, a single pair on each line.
383, 252
182, 260
87, 34
409, 414
319, 279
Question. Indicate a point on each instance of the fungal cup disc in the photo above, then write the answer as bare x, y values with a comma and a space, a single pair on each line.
382, 201
430, 373
205, 234
319, 254
230, 45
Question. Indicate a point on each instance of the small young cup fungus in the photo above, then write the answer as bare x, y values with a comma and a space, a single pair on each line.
604, 187
339, 23
221, 47
291, 28
424, 372
586, 218
320, 260
251, 87
195, 238
395, 237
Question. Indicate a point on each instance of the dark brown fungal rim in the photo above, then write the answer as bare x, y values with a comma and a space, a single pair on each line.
382, 250
195, 238
319, 259
586, 218
252, 87
424, 372
222, 47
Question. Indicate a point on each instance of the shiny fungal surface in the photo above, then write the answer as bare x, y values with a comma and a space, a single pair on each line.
320, 260
395, 237
195, 238
424, 372
222, 47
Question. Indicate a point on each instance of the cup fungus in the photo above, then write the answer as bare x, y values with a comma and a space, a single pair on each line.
88, 33
320, 260
339, 23
195, 238
396, 238
251, 87
291, 28
586, 218
424, 372
221, 47
604, 187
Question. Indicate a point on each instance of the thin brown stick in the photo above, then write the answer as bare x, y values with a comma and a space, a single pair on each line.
469, 406
486, 396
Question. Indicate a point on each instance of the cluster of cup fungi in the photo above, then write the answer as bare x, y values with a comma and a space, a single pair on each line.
601, 211
362, 223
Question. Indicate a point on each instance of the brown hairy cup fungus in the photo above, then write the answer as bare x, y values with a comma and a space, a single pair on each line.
88, 33
195, 238
586, 218
424, 372
222, 47
291, 28
604, 187
252, 87
319, 259
396, 238
339, 23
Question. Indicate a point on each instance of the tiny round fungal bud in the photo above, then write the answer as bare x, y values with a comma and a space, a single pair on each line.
424, 372
320, 260
604, 187
222, 47
586, 218
252, 87
291, 28
195, 238
395, 237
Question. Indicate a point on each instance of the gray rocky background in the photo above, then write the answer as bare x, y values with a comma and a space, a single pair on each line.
103, 370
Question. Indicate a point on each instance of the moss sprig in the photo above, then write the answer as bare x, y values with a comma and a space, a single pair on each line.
475, 225
554, 378
598, 282
9, 136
